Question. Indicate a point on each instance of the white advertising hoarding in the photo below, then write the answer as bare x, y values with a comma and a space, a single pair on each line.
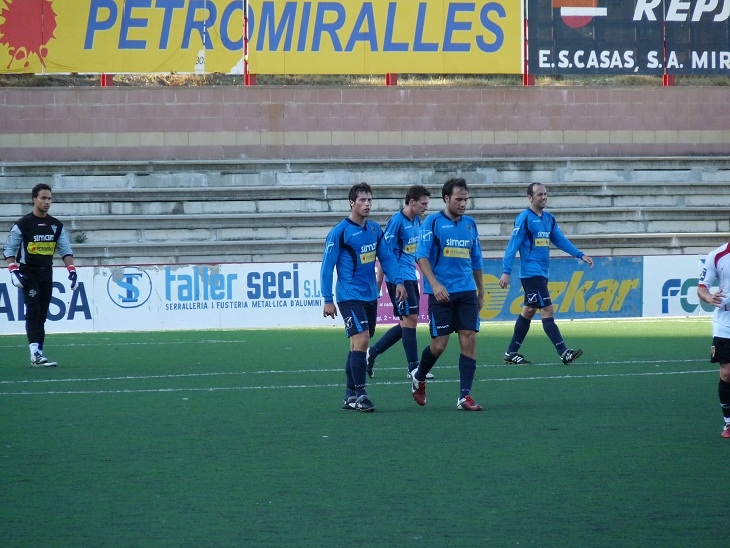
670, 286
261, 295
169, 297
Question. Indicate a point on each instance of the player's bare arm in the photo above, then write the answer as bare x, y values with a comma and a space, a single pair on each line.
504, 280
715, 299
400, 293
439, 291
329, 310
479, 280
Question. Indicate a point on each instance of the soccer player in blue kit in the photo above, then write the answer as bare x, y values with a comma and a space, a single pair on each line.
401, 235
450, 257
352, 247
535, 229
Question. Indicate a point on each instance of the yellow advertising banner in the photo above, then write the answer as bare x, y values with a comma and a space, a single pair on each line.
114, 36
385, 36
286, 36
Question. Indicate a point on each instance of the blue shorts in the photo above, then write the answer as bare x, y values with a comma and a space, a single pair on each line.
359, 316
536, 292
410, 305
459, 313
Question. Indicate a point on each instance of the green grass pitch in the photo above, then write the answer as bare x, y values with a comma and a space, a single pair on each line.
236, 438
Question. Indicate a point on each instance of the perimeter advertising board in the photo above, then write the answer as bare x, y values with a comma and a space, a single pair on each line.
670, 287
286, 36
170, 297
382, 36
232, 296
142, 36
628, 37
238, 296
612, 289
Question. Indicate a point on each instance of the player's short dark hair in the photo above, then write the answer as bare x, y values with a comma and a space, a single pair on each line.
531, 188
415, 193
451, 185
359, 188
37, 189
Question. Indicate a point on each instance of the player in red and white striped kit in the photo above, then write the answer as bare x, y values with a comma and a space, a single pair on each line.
717, 268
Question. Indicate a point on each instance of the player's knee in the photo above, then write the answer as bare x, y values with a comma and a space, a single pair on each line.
547, 312
410, 321
725, 372
438, 345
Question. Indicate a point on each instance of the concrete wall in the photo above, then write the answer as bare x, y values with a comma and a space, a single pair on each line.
216, 123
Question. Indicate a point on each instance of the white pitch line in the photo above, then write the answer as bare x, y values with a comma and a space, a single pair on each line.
175, 376
290, 371
102, 342
330, 385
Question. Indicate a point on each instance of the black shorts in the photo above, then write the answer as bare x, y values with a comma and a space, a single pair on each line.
359, 316
410, 305
459, 313
720, 350
536, 292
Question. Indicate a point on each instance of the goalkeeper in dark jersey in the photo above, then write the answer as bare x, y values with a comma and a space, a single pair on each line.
352, 247
29, 251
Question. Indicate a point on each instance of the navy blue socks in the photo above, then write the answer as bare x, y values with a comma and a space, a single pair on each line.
410, 345
392, 336
428, 360
553, 333
522, 326
467, 369
358, 368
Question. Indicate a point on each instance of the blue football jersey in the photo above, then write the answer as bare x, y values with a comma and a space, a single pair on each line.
401, 236
532, 236
453, 251
352, 249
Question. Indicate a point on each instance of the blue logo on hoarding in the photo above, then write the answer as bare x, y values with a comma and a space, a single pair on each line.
129, 287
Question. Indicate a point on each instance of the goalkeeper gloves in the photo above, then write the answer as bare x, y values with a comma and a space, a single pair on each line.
15, 276
73, 277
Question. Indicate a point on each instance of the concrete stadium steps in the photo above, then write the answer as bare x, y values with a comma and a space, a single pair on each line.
64, 176
214, 227
146, 213
172, 252
387, 197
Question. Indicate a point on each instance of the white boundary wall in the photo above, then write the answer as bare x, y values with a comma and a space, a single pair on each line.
266, 295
